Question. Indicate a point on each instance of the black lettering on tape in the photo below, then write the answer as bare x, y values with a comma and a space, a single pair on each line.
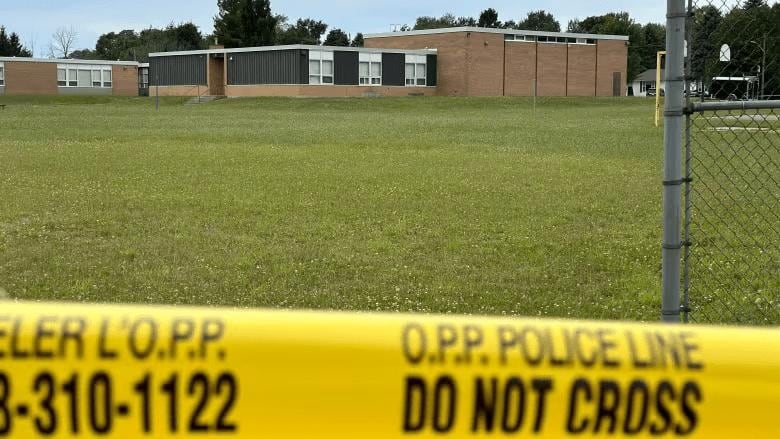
211, 332
543, 387
143, 337
182, 331
507, 339
636, 411
609, 403
414, 404
575, 424
665, 392
414, 335
514, 405
73, 332
484, 405
448, 337
103, 350
472, 339
691, 394
43, 333
445, 393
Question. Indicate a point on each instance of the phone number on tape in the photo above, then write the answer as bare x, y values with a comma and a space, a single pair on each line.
196, 402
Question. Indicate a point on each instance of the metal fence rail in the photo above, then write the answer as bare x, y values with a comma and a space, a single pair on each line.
731, 234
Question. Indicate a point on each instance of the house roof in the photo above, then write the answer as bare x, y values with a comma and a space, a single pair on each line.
648, 75
497, 31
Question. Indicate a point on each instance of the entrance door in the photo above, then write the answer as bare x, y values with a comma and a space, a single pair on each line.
217, 75
617, 84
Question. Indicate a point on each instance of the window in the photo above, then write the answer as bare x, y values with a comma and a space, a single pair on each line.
2, 74
370, 69
83, 76
320, 67
416, 70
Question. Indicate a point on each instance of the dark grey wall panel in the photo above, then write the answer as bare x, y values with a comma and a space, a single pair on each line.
347, 66
178, 70
393, 69
303, 70
432, 70
267, 67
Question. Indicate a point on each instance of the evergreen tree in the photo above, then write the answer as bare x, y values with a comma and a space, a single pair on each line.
337, 37
358, 41
489, 18
11, 45
245, 23
540, 21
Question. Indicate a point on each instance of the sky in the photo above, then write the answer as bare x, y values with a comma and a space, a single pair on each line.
36, 20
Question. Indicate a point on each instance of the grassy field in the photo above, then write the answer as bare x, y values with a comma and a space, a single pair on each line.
429, 205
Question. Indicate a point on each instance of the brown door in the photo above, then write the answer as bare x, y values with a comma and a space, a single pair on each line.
216, 76
617, 84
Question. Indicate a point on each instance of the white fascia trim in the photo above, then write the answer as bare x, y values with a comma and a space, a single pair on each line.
496, 31
294, 47
71, 61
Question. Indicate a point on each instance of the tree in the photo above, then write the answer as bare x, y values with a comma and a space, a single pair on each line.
540, 21
11, 45
84, 54
446, 20
62, 42
305, 31
245, 23
616, 23
489, 18
704, 53
655, 40
337, 37
358, 41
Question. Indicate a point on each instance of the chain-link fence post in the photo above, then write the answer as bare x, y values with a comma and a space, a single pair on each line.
673, 130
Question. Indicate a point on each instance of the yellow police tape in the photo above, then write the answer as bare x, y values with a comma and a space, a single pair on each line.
127, 372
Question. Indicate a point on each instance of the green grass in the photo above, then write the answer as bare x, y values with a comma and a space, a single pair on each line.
447, 205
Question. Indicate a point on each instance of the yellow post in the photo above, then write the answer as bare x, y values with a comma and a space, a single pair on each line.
659, 57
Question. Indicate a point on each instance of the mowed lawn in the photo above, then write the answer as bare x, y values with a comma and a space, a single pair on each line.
442, 205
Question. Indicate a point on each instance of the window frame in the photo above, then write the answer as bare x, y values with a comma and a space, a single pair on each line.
322, 57
420, 76
371, 60
71, 72
2, 74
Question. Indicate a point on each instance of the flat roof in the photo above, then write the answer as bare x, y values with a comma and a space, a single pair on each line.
489, 30
68, 61
293, 46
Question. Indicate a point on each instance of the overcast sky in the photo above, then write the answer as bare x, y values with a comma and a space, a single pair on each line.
36, 20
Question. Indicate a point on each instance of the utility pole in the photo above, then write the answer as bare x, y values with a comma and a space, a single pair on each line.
762, 46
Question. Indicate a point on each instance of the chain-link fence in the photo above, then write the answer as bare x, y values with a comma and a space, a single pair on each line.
731, 242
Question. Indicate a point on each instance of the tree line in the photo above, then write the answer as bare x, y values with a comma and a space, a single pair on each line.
750, 30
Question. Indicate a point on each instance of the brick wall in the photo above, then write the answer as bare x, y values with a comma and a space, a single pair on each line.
451, 57
124, 80
551, 62
485, 64
581, 75
30, 78
469, 63
520, 69
612, 57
